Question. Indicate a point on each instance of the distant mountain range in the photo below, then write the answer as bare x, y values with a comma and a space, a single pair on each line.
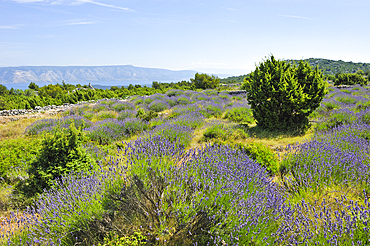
51, 74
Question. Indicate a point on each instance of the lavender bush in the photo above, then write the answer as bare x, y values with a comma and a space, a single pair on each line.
158, 106
192, 119
47, 125
44, 125
111, 130
173, 132
122, 106
336, 157
126, 114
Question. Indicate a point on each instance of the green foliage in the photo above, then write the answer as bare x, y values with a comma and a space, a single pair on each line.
215, 132
330, 77
332, 67
330, 105
239, 115
261, 154
282, 96
336, 119
346, 99
3, 90
146, 116
158, 106
133, 240
106, 114
205, 81
61, 153
224, 134
50, 90
350, 79
33, 86
15, 154
233, 79
210, 110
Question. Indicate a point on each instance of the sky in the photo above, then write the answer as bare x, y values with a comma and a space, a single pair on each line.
211, 36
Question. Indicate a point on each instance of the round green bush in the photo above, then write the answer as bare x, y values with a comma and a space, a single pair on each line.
60, 154
282, 96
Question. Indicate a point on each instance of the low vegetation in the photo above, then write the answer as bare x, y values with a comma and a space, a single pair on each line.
185, 167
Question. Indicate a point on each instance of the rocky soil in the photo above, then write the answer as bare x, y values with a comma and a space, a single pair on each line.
17, 114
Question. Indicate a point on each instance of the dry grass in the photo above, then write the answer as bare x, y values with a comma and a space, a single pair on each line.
16, 128
5, 191
278, 139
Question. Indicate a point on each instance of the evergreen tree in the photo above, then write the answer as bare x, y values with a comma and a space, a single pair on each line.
282, 95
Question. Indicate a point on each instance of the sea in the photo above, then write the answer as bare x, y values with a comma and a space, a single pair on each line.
95, 84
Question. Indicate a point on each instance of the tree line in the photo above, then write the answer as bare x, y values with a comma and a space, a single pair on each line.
67, 93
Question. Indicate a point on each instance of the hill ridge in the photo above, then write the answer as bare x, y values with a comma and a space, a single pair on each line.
50, 74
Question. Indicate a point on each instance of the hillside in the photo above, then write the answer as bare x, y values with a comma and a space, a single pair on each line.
327, 66
52, 74
334, 67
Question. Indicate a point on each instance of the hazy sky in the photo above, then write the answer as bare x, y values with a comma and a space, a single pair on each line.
190, 34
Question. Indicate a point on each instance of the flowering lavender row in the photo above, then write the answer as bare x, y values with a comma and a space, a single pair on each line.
340, 222
215, 184
110, 130
234, 191
47, 125
339, 156
173, 132
58, 213
228, 196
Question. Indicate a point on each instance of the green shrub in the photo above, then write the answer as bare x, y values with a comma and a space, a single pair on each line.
61, 153
156, 122
15, 154
239, 115
261, 154
282, 96
146, 116
89, 115
215, 132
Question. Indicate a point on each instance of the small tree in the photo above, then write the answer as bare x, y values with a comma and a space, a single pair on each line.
33, 86
205, 81
282, 96
61, 154
3, 90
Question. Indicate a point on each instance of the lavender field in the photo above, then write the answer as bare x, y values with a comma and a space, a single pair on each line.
192, 168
